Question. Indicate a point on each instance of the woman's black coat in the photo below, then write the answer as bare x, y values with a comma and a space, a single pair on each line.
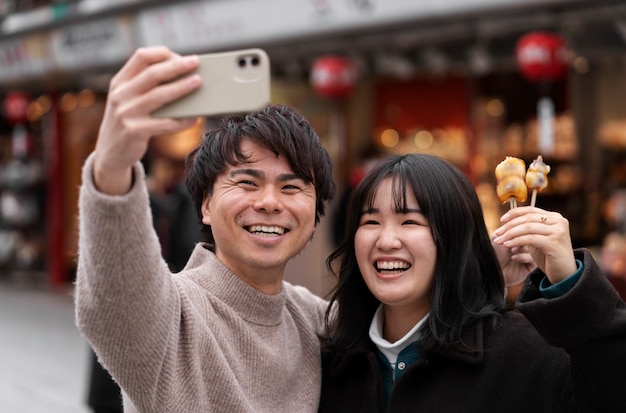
565, 354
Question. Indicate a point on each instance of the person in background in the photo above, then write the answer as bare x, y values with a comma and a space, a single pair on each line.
174, 216
226, 334
417, 321
368, 157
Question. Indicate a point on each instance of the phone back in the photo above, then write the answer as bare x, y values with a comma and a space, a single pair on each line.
232, 82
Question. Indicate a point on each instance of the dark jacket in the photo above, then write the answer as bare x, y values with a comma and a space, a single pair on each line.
565, 354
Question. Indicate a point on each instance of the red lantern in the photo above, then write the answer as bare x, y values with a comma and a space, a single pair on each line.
15, 105
542, 56
333, 76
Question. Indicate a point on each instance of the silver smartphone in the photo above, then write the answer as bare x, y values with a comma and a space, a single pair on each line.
237, 81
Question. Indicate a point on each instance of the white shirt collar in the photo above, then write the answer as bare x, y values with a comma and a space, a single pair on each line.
391, 350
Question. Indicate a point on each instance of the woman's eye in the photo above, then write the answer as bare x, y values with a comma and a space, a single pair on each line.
415, 222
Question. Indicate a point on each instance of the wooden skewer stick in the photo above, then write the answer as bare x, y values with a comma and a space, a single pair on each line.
513, 203
533, 198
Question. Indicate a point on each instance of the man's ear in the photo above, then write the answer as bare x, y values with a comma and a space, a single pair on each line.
206, 210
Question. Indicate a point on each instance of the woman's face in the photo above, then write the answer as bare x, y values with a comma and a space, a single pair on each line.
396, 252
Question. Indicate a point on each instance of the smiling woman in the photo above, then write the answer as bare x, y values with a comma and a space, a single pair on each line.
400, 278
418, 311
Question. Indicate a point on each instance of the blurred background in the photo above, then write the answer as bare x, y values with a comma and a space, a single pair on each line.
470, 81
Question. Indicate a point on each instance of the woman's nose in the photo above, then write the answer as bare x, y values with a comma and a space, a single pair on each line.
388, 238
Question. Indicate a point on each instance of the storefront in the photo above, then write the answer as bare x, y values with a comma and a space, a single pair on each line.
435, 78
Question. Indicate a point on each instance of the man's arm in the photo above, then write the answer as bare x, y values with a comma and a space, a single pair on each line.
126, 304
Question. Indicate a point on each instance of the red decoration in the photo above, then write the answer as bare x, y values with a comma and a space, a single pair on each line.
333, 76
542, 56
15, 105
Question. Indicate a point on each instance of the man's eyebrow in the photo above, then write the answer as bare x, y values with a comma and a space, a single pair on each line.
246, 171
260, 174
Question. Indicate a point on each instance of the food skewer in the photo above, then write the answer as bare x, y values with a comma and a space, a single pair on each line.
511, 185
536, 178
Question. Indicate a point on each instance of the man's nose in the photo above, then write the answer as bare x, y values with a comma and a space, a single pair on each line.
268, 199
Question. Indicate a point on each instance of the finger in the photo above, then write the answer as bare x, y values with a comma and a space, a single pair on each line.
159, 96
140, 59
523, 258
148, 92
533, 220
156, 126
519, 211
516, 233
162, 72
152, 77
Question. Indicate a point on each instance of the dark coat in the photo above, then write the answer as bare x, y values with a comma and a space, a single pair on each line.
514, 369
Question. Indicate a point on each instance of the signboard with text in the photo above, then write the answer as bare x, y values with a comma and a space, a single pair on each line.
101, 42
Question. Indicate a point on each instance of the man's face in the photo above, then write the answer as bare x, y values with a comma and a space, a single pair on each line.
261, 215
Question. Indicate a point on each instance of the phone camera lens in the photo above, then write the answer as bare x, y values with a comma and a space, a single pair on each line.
255, 61
242, 62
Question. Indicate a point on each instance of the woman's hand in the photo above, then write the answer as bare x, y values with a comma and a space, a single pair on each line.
516, 263
544, 235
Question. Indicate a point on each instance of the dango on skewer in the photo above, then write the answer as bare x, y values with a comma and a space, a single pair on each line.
510, 181
536, 178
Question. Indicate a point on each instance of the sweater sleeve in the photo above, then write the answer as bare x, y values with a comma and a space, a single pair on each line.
550, 290
126, 302
589, 322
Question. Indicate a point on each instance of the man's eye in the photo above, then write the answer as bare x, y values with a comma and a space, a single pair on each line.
246, 182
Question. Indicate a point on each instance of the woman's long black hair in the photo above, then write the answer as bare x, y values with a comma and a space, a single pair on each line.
468, 287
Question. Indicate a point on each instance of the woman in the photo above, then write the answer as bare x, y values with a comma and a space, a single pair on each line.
418, 319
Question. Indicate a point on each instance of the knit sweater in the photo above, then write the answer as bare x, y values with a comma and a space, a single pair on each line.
200, 340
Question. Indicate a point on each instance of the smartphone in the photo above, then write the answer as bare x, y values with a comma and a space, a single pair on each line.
237, 81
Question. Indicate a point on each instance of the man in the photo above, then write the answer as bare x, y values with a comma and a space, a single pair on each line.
227, 333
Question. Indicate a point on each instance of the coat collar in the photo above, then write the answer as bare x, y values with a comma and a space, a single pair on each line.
473, 337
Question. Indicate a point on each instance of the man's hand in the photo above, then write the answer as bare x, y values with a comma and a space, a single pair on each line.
138, 89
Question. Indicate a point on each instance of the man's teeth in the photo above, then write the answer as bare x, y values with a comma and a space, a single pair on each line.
392, 265
266, 230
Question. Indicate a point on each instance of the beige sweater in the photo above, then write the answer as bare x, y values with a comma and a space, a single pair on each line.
198, 341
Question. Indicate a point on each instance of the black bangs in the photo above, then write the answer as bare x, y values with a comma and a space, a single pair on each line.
399, 181
398, 190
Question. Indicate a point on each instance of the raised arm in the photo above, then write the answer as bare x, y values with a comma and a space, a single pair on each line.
126, 303
573, 306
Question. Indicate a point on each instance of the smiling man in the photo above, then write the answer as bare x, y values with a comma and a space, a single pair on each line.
226, 334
